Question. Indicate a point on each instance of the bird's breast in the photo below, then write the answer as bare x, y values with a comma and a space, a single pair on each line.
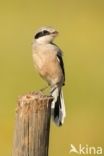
45, 61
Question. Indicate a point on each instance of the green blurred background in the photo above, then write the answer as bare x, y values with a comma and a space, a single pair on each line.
81, 27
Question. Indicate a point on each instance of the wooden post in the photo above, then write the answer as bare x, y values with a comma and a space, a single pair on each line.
32, 125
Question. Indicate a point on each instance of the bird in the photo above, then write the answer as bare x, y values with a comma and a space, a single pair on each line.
48, 61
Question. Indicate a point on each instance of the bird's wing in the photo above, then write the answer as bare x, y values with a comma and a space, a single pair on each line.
60, 60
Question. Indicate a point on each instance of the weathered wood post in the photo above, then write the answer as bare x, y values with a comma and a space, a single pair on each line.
32, 125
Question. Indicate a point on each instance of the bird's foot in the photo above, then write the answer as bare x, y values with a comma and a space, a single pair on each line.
43, 89
53, 89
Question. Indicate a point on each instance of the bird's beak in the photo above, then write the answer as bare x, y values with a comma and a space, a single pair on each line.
55, 33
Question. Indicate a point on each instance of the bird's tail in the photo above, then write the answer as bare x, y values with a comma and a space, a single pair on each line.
58, 107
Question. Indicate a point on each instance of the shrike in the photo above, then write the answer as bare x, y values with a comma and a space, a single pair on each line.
47, 59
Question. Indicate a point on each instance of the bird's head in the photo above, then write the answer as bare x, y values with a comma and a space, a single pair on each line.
45, 35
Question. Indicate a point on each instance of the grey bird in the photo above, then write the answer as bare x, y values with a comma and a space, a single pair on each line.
47, 60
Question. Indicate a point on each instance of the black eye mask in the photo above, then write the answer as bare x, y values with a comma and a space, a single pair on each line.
42, 33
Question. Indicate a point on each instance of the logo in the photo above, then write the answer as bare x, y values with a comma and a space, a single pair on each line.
85, 149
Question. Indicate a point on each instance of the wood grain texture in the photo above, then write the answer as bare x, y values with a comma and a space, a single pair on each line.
32, 125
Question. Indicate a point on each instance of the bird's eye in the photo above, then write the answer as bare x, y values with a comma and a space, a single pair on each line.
45, 32
41, 34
